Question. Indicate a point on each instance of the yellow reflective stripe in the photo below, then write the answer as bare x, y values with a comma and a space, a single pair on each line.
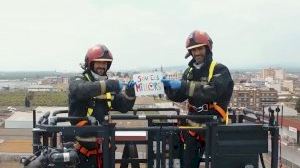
190, 127
102, 87
109, 104
104, 97
189, 72
87, 76
109, 98
192, 88
90, 112
211, 70
227, 118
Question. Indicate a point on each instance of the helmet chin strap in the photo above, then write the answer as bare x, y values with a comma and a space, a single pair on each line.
98, 77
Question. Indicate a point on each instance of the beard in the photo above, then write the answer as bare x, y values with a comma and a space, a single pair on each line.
100, 71
98, 77
199, 58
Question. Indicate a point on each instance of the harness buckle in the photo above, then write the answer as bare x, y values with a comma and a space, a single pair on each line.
204, 107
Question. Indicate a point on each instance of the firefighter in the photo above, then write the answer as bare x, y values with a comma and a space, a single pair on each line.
207, 85
93, 94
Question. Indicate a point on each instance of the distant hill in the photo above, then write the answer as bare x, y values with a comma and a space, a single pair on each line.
31, 74
11, 75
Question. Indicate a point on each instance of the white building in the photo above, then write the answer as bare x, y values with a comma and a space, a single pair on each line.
289, 85
279, 74
275, 73
41, 88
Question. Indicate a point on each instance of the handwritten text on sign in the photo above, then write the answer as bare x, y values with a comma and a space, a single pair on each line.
148, 84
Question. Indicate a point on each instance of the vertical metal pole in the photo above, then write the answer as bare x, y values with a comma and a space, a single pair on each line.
125, 156
272, 117
150, 152
163, 148
274, 138
298, 137
182, 150
171, 147
45, 138
274, 144
263, 111
113, 147
36, 140
207, 145
54, 140
277, 114
281, 115
213, 141
233, 119
177, 111
105, 146
158, 149
241, 118
33, 118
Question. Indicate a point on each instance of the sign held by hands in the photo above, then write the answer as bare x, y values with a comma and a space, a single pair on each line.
148, 84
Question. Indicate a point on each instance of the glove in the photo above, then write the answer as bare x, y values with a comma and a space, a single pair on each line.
120, 85
130, 88
113, 85
173, 84
130, 84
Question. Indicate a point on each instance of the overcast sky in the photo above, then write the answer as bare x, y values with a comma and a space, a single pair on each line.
55, 34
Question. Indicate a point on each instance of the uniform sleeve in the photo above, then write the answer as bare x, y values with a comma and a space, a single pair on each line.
82, 89
220, 83
124, 101
177, 95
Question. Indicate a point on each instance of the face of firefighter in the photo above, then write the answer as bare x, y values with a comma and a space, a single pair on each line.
199, 54
100, 67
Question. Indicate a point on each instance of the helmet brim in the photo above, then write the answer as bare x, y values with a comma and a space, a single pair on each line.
195, 46
102, 60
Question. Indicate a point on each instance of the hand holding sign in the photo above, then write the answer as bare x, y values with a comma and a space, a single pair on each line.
130, 84
148, 84
173, 84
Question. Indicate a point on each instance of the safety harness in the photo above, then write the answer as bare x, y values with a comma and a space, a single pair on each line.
213, 105
205, 107
89, 152
98, 141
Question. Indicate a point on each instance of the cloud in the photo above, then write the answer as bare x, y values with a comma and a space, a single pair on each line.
54, 35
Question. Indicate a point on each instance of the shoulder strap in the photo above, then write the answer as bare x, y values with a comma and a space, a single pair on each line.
87, 76
188, 73
211, 70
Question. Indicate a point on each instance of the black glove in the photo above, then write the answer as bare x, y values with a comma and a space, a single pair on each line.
130, 89
113, 85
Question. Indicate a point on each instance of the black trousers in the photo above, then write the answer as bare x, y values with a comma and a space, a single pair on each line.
87, 162
193, 151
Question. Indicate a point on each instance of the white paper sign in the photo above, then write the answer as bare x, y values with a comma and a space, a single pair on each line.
292, 129
148, 84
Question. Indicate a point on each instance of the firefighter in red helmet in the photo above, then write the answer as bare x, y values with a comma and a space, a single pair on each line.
207, 85
93, 94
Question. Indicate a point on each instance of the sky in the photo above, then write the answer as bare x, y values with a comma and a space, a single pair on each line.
54, 35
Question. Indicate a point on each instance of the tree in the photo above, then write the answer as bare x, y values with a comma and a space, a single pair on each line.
298, 105
126, 75
119, 74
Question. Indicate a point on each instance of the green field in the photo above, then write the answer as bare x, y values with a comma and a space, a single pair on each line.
17, 98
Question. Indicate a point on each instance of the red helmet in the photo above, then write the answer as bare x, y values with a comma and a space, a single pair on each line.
98, 52
197, 39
